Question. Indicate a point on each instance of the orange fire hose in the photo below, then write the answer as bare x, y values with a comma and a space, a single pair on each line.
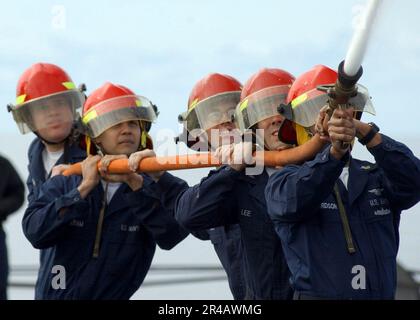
295, 155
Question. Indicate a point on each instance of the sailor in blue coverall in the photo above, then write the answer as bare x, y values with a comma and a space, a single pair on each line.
339, 224
230, 196
47, 102
38, 174
210, 105
104, 227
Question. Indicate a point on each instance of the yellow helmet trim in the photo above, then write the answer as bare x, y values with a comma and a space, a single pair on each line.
69, 85
298, 100
89, 116
193, 104
20, 99
243, 105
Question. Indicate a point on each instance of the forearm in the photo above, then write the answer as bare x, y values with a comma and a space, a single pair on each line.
156, 219
166, 231
45, 217
209, 204
167, 189
401, 169
85, 187
363, 129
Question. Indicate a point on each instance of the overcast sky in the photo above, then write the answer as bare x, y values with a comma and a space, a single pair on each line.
161, 48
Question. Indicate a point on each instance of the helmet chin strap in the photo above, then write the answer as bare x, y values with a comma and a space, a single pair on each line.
98, 147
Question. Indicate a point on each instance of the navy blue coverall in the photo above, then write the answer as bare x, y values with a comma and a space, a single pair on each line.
228, 197
37, 176
134, 222
227, 242
305, 212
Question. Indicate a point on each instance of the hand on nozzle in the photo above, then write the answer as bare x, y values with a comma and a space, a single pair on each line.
321, 125
342, 131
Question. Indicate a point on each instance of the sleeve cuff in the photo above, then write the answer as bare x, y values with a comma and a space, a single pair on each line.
379, 151
325, 156
166, 183
70, 199
229, 172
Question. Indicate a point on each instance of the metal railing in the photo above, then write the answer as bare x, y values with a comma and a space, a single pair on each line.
216, 274
211, 273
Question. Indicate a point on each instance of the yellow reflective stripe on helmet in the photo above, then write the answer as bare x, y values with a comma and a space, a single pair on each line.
138, 103
193, 104
297, 101
243, 105
20, 99
191, 107
89, 116
69, 85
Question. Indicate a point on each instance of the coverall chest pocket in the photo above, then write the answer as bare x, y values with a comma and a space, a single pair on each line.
375, 205
329, 211
379, 221
123, 246
125, 232
78, 229
254, 223
227, 233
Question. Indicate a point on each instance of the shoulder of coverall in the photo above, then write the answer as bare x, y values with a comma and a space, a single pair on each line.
237, 175
363, 165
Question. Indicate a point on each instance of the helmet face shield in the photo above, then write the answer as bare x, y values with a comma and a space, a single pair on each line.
362, 101
259, 106
48, 112
113, 111
211, 112
306, 107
